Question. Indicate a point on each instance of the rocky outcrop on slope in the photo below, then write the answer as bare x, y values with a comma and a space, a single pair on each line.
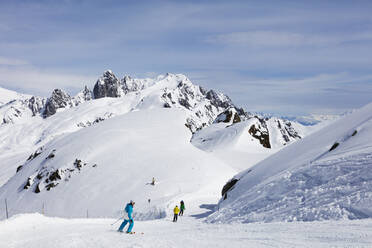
107, 86
203, 107
20, 108
83, 96
59, 99
129, 84
36, 104
47, 177
230, 115
287, 130
260, 131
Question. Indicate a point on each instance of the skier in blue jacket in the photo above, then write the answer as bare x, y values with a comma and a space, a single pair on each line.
128, 218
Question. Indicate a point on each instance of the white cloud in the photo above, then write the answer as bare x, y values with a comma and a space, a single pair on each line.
18, 74
280, 39
12, 61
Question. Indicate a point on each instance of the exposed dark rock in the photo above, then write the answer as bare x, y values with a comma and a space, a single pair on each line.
227, 116
36, 104
184, 103
354, 133
107, 86
37, 189
219, 101
202, 90
54, 176
131, 85
290, 130
228, 186
261, 134
59, 99
51, 155
50, 185
334, 146
28, 183
85, 95
78, 164
166, 105
35, 154
97, 120
19, 168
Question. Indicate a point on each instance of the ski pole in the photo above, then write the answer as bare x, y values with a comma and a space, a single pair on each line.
117, 220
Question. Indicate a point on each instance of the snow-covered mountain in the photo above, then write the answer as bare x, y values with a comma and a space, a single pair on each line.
326, 175
115, 138
112, 97
99, 167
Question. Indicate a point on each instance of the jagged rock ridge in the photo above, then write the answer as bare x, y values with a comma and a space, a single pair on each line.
173, 91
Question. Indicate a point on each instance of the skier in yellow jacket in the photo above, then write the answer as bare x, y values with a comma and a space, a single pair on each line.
176, 211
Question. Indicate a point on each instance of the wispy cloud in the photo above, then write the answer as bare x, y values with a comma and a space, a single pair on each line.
12, 62
19, 74
278, 39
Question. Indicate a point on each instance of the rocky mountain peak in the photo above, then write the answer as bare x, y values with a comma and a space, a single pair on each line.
218, 99
107, 86
36, 104
85, 95
59, 99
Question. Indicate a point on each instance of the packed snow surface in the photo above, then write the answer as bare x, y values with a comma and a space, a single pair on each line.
37, 231
326, 175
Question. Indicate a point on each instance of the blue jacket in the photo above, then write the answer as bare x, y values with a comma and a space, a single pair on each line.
129, 210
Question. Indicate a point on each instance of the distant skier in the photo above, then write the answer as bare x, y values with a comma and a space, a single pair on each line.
128, 218
176, 210
182, 207
153, 181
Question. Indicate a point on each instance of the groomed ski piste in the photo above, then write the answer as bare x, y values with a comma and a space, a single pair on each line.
38, 231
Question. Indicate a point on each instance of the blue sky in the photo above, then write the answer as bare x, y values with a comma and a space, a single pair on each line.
283, 57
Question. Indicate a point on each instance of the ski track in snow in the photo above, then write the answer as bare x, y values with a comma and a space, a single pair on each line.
37, 231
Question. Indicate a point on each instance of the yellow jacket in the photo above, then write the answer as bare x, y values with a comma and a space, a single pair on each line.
176, 210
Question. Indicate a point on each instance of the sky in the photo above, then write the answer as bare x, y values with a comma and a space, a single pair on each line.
280, 57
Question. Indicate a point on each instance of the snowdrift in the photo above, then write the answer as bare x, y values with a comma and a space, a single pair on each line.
326, 175
96, 170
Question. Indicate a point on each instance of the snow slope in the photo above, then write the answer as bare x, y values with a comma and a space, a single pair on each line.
232, 144
326, 175
8, 95
29, 122
99, 168
19, 140
37, 231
